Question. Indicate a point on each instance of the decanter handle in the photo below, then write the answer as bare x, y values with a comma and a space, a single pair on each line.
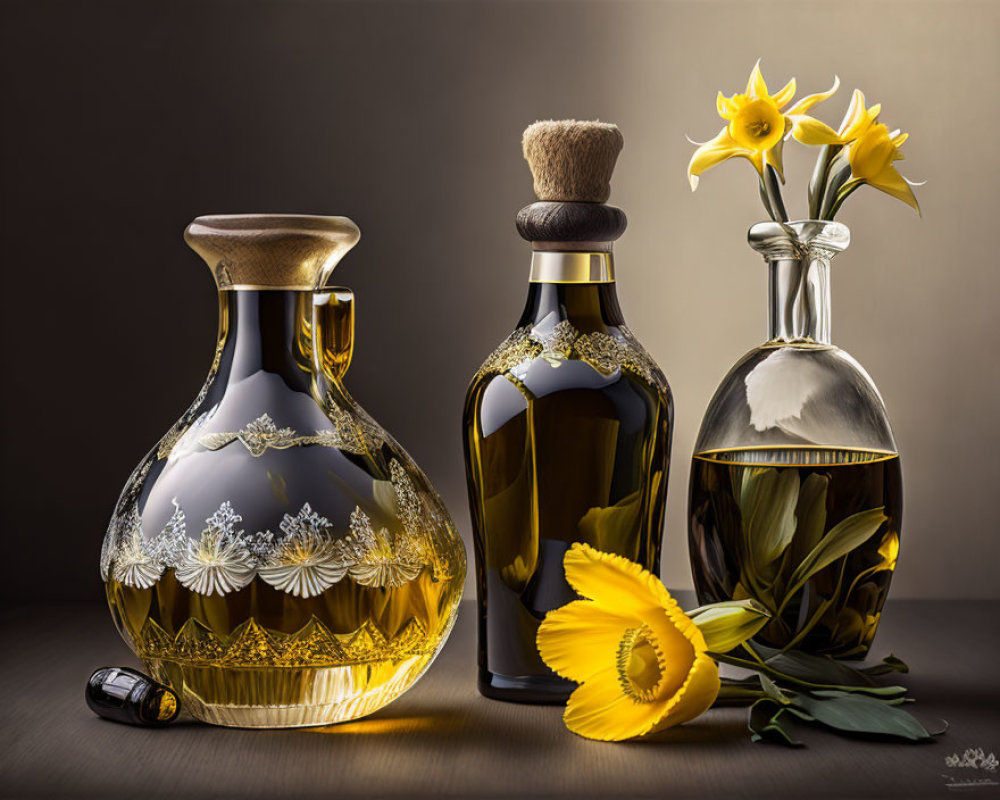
333, 331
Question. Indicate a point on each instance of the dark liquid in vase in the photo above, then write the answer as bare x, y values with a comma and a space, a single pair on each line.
732, 500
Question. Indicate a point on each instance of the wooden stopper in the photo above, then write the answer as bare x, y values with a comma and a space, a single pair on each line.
570, 222
572, 161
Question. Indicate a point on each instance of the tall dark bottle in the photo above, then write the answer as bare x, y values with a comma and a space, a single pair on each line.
567, 424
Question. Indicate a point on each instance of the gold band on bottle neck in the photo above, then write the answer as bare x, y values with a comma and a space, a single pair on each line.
548, 266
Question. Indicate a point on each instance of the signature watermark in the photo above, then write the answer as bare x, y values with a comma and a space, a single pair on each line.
979, 770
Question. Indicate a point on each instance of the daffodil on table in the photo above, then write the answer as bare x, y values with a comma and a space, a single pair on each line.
643, 665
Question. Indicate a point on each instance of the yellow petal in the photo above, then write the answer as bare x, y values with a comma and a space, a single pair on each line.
872, 153
599, 709
811, 131
729, 624
756, 87
616, 584
726, 106
858, 120
894, 185
609, 528
580, 640
758, 126
785, 94
898, 138
809, 101
679, 641
713, 152
695, 696
889, 551
854, 116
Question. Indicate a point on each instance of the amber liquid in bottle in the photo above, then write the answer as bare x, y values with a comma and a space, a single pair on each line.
352, 641
255, 655
567, 434
836, 611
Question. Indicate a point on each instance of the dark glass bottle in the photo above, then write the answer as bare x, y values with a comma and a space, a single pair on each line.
567, 438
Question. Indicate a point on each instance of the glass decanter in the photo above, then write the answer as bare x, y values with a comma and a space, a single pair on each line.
278, 559
567, 430
796, 489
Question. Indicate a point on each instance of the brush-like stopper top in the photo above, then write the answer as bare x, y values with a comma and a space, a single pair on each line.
572, 161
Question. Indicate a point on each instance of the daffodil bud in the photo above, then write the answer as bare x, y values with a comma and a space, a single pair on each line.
728, 624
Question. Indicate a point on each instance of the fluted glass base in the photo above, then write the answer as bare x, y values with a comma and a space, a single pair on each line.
289, 697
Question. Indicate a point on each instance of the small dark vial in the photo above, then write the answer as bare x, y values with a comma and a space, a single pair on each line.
126, 695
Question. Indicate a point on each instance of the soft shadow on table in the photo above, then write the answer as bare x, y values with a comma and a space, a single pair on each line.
710, 730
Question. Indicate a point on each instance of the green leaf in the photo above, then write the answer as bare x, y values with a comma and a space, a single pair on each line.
821, 670
728, 624
811, 515
888, 664
766, 724
767, 503
890, 701
840, 540
812, 668
860, 714
763, 668
771, 690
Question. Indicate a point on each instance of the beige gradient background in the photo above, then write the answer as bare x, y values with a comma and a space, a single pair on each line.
407, 117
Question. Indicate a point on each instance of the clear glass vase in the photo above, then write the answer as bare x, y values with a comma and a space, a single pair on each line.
278, 559
796, 491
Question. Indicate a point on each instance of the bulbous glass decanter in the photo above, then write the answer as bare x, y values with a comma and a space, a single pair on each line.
796, 489
278, 559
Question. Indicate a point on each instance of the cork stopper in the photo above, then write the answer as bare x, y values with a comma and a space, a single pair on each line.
271, 251
572, 161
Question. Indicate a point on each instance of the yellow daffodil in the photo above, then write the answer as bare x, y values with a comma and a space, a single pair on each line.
872, 156
757, 125
856, 123
643, 665
871, 149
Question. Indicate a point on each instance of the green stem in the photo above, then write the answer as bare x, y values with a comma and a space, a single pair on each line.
861, 575
756, 656
770, 192
730, 695
810, 624
841, 197
819, 612
818, 180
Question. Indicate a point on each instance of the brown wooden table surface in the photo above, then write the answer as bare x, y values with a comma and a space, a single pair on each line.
443, 739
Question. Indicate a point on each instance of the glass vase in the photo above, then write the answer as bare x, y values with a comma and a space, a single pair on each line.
277, 558
796, 491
